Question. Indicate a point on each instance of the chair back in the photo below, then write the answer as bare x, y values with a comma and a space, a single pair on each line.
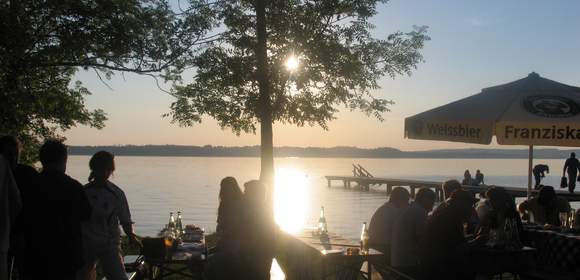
154, 249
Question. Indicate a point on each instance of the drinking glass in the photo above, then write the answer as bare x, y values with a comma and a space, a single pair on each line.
564, 219
572, 222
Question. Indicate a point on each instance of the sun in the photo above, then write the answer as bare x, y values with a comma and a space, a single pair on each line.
291, 199
292, 63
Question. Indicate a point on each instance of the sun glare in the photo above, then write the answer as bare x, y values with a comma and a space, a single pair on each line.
291, 196
292, 63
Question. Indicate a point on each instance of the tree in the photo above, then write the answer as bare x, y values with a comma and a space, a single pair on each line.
241, 79
43, 43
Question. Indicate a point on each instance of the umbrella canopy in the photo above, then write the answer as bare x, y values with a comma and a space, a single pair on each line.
530, 111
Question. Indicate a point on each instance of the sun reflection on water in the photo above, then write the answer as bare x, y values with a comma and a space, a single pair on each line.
291, 199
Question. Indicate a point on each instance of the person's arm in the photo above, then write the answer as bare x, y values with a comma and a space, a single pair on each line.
125, 220
14, 199
565, 167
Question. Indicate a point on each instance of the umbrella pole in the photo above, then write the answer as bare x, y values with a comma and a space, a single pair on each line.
530, 163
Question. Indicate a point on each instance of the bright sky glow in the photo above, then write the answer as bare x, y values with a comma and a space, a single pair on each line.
291, 199
292, 63
475, 44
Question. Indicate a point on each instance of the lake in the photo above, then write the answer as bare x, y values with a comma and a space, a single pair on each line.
156, 186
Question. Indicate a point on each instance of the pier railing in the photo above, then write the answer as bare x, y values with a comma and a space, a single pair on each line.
364, 183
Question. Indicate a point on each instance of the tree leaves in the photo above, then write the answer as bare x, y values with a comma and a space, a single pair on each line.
340, 63
42, 43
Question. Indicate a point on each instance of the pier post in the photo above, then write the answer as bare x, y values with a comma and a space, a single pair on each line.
329, 183
389, 189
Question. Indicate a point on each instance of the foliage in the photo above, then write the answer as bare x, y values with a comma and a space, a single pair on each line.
340, 64
43, 43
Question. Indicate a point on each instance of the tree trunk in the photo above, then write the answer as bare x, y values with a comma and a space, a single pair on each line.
267, 145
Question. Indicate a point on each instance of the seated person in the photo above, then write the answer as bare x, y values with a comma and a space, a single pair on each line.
408, 232
479, 178
382, 222
495, 209
449, 187
546, 207
467, 180
444, 248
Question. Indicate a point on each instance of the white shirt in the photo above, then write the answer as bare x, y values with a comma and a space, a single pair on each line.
110, 208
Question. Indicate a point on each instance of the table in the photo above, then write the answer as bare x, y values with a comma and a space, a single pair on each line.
187, 259
492, 261
556, 250
308, 256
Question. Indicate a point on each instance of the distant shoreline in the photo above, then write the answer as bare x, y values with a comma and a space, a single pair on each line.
317, 152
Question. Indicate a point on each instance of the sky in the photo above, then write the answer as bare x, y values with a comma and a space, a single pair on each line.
474, 45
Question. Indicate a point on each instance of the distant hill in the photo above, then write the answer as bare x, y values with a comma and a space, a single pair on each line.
343, 152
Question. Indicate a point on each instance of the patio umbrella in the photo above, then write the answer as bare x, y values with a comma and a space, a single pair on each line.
531, 111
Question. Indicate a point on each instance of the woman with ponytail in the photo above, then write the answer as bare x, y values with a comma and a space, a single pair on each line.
101, 234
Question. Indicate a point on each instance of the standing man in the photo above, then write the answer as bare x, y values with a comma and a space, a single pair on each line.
538, 172
25, 177
571, 166
10, 206
59, 205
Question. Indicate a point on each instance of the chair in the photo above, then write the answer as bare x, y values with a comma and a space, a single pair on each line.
155, 255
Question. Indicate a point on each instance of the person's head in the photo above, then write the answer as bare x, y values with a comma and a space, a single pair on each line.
546, 195
426, 198
466, 174
229, 190
53, 155
450, 186
399, 197
477, 172
102, 165
572, 154
461, 202
498, 198
10, 149
254, 192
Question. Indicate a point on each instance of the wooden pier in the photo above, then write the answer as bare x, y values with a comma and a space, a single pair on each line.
364, 183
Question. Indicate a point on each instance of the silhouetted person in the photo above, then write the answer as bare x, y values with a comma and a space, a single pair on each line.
58, 205
495, 210
225, 262
538, 172
545, 207
10, 205
571, 167
479, 178
25, 177
259, 232
444, 248
101, 235
383, 220
450, 186
408, 232
467, 179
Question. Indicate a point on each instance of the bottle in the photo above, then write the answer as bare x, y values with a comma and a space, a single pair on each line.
169, 233
322, 226
364, 239
179, 225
